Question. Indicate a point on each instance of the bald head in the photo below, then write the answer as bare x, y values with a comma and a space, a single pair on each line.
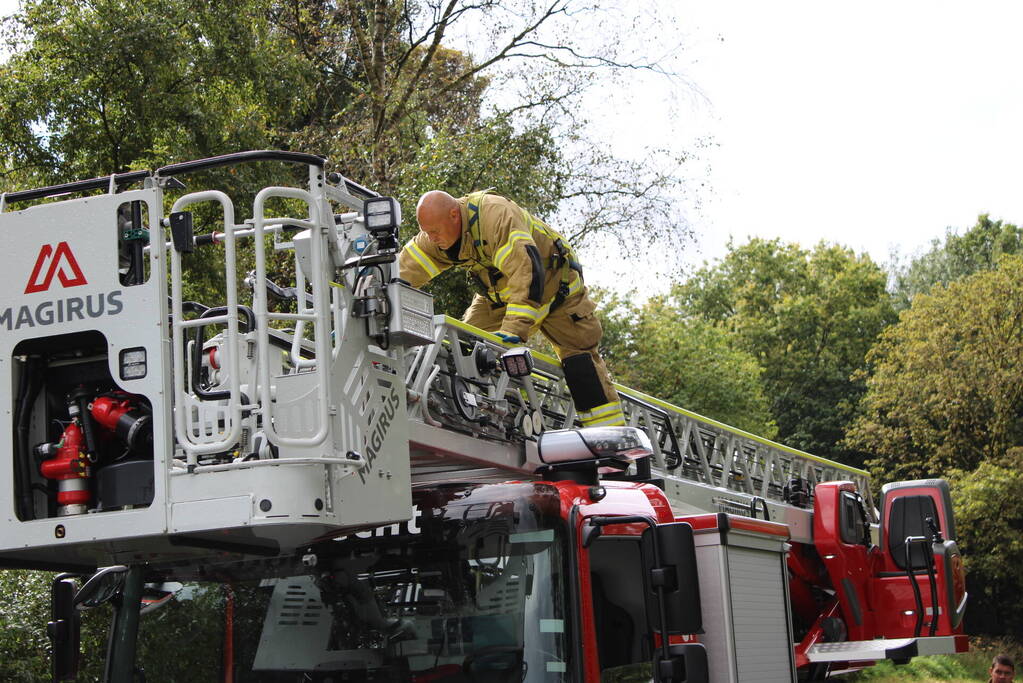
440, 218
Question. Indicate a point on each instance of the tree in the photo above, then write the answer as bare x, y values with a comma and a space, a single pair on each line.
94, 88
112, 85
504, 113
944, 389
24, 645
388, 83
979, 248
808, 318
989, 522
688, 362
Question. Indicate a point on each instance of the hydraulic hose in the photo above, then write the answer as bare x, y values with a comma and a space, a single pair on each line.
31, 383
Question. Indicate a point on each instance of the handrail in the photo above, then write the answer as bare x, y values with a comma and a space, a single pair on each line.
103, 182
240, 157
319, 316
193, 448
932, 581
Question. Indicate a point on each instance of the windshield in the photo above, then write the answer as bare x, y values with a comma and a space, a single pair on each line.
471, 589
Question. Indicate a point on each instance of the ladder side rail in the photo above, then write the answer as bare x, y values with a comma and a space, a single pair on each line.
784, 469
320, 318
711, 448
762, 457
787, 462
709, 452
183, 399
764, 465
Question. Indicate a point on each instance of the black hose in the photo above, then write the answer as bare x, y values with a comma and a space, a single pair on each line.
31, 384
82, 399
20, 445
200, 339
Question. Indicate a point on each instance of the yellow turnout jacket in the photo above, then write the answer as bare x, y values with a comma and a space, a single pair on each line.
517, 259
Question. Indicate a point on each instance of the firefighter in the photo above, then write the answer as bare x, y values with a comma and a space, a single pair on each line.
527, 278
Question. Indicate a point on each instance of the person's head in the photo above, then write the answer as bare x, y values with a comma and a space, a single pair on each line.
440, 218
1002, 669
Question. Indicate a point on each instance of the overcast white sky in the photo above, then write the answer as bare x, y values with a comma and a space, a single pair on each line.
872, 124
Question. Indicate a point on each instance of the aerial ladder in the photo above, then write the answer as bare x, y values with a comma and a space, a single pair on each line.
321, 391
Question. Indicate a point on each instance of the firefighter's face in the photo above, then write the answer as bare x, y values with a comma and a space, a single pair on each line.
444, 229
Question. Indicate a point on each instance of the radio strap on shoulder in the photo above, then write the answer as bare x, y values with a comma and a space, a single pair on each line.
474, 206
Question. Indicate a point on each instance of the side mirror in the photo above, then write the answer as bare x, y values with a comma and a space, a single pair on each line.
677, 575
64, 629
102, 586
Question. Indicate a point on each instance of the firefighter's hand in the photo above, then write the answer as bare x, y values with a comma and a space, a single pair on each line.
509, 338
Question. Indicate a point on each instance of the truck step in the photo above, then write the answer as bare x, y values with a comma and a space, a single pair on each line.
893, 648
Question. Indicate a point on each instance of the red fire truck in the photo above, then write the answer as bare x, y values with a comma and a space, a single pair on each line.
314, 478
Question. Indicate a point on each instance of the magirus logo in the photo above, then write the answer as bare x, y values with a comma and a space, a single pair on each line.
57, 261
60, 262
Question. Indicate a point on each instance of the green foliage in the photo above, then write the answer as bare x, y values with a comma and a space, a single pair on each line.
968, 667
110, 85
105, 86
935, 668
25, 647
979, 248
989, 521
24, 611
808, 318
944, 390
684, 361
198, 615
943, 399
